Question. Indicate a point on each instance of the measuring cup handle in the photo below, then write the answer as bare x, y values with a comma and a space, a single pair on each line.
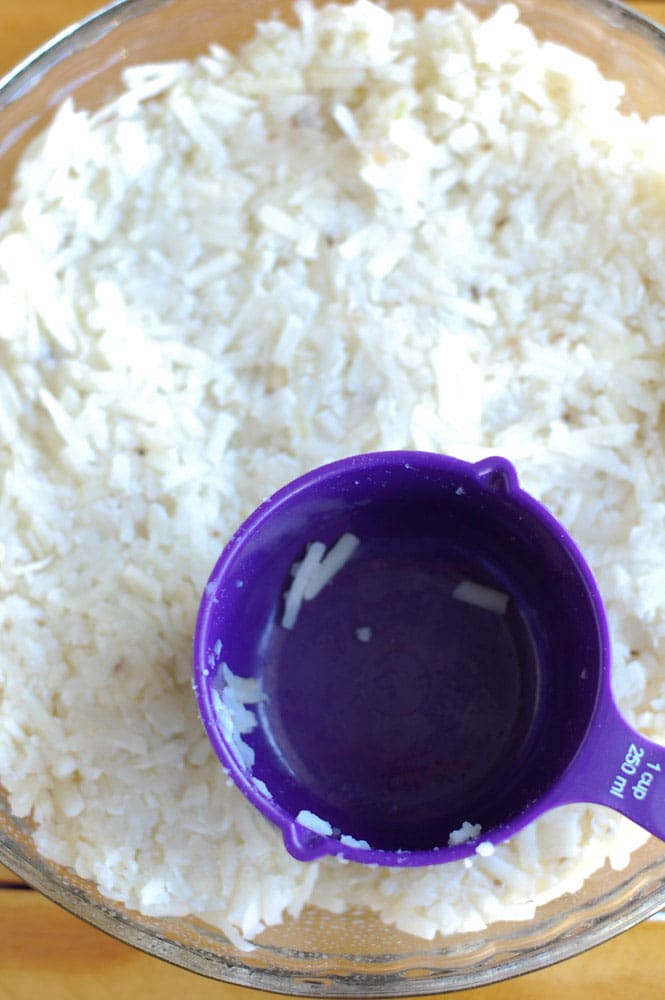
618, 767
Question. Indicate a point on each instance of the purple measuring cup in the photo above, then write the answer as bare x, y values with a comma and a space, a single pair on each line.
448, 684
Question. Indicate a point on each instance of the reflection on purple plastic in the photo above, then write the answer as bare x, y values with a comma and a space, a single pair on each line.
402, 706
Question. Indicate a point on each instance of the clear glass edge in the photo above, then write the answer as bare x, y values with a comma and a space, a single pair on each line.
71, 39
120, 925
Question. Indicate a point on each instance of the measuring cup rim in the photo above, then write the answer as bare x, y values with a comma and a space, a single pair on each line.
495, 474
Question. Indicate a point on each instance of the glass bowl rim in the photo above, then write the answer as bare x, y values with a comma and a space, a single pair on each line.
112, 918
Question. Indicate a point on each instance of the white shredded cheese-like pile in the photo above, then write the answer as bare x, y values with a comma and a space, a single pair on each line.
364, 231
467, 831
317, 569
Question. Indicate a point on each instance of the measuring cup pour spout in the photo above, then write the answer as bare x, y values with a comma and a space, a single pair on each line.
401, 658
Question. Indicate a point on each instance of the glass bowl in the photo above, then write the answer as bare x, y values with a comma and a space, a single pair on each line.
322, 954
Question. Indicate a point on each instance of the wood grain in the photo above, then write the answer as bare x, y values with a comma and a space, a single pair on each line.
46, 951
7, 879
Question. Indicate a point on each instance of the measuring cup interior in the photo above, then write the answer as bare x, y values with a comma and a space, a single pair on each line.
446, 674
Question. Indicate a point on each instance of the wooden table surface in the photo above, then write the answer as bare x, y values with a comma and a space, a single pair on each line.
45, 951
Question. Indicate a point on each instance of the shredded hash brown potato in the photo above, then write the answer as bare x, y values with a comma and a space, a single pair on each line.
361, 232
